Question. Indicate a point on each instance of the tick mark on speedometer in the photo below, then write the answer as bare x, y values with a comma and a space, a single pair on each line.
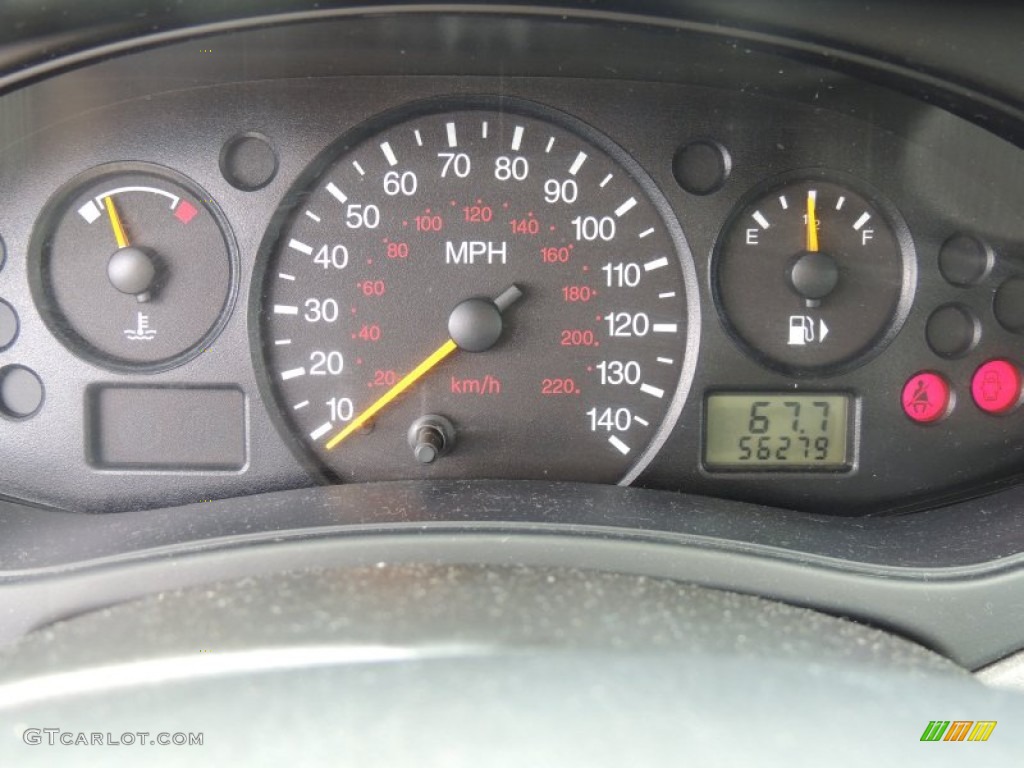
320, 431
389, 154
453, 140
620, 446
517, 138
336, 193
647, 389
626, 207
577, 163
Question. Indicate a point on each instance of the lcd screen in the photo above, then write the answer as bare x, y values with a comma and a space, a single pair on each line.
780, 431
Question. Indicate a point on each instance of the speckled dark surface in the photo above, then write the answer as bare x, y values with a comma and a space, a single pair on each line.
395, 665
491, 609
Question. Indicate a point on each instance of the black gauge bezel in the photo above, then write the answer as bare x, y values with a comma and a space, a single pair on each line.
59, 205
908, 261
299, 191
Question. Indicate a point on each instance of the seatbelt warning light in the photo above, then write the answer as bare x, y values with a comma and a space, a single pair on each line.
926, 397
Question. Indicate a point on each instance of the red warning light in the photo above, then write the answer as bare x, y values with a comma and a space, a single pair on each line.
996, 386
926, 397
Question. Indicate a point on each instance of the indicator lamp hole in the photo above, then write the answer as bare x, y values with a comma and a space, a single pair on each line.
8, 325
702, 167
21, 392
248, 161
965, 260
1008, 305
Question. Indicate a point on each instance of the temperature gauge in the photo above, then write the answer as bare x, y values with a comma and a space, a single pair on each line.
132, 267
813, 276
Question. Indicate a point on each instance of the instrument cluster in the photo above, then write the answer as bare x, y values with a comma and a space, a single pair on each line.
245, 283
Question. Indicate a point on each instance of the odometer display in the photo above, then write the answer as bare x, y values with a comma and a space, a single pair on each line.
777, 431
506, 276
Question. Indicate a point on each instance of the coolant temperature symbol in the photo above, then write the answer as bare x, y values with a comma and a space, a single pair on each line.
141, 331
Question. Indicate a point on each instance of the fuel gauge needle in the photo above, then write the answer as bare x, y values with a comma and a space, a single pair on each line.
115, 222
474, 325
812, 222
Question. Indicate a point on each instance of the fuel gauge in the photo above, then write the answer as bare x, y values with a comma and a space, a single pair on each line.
132, 267
811, 275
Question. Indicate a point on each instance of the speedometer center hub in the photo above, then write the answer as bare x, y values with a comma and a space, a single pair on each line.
475, 324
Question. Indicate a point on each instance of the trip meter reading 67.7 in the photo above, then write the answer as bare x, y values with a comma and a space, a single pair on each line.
490, 290
777, 431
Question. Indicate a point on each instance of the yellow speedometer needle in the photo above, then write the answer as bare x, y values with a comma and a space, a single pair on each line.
812, 223
474, 326
115, 222
406, 381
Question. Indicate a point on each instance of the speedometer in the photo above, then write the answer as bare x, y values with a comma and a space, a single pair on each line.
490, 289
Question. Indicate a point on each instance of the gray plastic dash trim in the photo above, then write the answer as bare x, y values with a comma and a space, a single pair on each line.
971, 613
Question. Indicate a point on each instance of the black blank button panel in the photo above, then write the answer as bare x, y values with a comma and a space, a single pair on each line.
166, 428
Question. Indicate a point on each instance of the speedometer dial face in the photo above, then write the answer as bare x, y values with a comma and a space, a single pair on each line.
480, 291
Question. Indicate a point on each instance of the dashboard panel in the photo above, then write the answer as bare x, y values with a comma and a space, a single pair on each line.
362, 320
872, 362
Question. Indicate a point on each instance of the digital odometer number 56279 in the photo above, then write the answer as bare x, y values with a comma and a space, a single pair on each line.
777, 431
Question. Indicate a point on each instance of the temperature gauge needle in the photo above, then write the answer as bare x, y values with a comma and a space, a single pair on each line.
130, 270
812, 222
476, 324
115, 222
